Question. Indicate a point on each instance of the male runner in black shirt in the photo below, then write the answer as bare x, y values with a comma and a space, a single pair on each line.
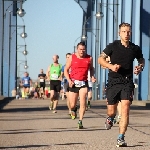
42, 77
120, 77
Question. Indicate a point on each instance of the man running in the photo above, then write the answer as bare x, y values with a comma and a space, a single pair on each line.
79, 63
42, 77
120, 77
54, 75
26, 82
66, 84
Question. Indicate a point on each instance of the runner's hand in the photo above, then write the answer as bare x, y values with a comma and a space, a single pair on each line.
137, 70
71, 83
93, 79
60, 78
115, 67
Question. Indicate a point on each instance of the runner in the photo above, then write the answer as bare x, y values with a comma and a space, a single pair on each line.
79, 63
42, 77
54, 75
66, 84
89, 95
26, 82
120, 77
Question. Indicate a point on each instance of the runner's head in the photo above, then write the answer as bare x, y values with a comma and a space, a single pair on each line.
25, 74
81, 49
125, 31
68, 55
41, 71
55, 58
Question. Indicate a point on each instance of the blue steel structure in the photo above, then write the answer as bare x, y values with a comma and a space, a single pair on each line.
7, 81
99, 33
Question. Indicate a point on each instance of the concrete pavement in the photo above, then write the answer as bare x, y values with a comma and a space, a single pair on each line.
29, 124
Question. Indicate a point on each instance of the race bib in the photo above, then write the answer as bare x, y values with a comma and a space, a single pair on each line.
54, 76
79, 83
41, 80
26, 81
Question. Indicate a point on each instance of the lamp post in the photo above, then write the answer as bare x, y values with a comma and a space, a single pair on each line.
98, 16
23, 35
21, 13
97, 47
21, 63
25, 52
103, 72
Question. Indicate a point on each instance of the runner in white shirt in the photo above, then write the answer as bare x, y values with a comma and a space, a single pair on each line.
89, 96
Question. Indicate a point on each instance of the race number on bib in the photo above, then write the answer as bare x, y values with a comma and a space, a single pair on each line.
41, 80
79, 83
26, 81
54, 76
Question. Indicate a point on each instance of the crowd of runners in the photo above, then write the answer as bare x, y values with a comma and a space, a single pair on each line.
78, 75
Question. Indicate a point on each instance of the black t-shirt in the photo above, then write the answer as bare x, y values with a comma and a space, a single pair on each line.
123, 56
42, 75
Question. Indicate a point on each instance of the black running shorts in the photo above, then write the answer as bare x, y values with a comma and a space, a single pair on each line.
42, 84
119, 89
76, 89
55, 85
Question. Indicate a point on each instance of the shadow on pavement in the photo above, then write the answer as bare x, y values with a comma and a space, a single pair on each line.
52, 131
5, 101
133, 107
38, 146
25, 146
135, 145
28, 109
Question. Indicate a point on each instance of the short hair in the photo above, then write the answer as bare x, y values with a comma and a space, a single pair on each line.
56, 56
123, 24
81, 43
68, 54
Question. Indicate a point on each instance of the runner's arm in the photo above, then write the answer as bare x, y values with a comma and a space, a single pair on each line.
102, 61
62, 71
91, 68
108, 60
45, 77
67, 67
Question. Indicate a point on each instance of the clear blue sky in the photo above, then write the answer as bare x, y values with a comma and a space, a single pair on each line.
52, 27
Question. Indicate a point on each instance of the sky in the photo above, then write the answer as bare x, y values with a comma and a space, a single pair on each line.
52, 27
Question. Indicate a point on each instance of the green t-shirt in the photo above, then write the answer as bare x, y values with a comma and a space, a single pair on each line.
55, 72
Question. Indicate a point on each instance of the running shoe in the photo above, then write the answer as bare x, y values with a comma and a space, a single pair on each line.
74, 113
54, 111
121, 142
51, 106
108, 123
80, 126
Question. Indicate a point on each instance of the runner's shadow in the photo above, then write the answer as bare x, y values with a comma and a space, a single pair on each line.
25, 146
70, 144
138, 145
